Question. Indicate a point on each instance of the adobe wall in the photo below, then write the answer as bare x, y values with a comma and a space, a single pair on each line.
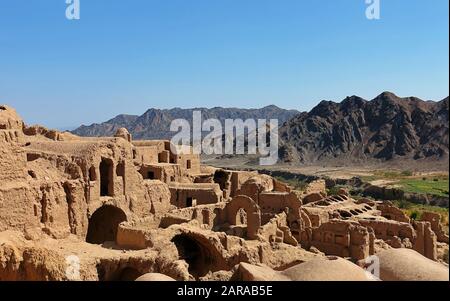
417, 236
146, 154
252, 210
189, 162
342, 238
255, 185
163, 171
272, 203
13, 163
238, 178
389, 211
9, 136
280, 186
9, 119
208, 216
435, 221
160, 145
160, 151
317, 186
199, 193
426, 242
388, 230
316, 216
277, 231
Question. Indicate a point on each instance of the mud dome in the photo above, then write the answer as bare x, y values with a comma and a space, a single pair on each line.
125, 209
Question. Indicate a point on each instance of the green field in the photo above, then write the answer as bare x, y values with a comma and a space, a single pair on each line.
433, 186
437, 185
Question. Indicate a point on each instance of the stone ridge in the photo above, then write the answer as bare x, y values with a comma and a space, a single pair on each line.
356, 130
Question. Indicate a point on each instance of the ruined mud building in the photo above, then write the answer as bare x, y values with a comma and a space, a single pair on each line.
126, 208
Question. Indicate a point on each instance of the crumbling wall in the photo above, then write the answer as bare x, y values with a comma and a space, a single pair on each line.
75, 192
156, 200
316, 216
9, 119
189, 162
237, 179
317, 186
145, 155
313, 197
418, 236
272, 203
192, 194
342, 238
277, 231
255, 185
396, 234
389, 211
435, 220
19, 207
166, 173
280, 186
12, 162
253, 214
53, 209
425, 242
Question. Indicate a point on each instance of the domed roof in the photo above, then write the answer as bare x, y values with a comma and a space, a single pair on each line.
123, 133
408, 265
330, 268
154, 277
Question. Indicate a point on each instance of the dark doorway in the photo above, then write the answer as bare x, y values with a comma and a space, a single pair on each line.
106, 177
189, 202
198, 257
103, 224
150, 175
188, 164
221, 178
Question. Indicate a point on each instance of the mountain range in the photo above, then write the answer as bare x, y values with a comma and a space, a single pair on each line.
385, 128
353, 130
155, 123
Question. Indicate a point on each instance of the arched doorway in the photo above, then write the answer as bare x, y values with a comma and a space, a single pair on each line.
244, 209
103, 224
106, 177
199, 258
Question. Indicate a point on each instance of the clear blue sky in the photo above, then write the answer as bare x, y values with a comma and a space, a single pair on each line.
125, 56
